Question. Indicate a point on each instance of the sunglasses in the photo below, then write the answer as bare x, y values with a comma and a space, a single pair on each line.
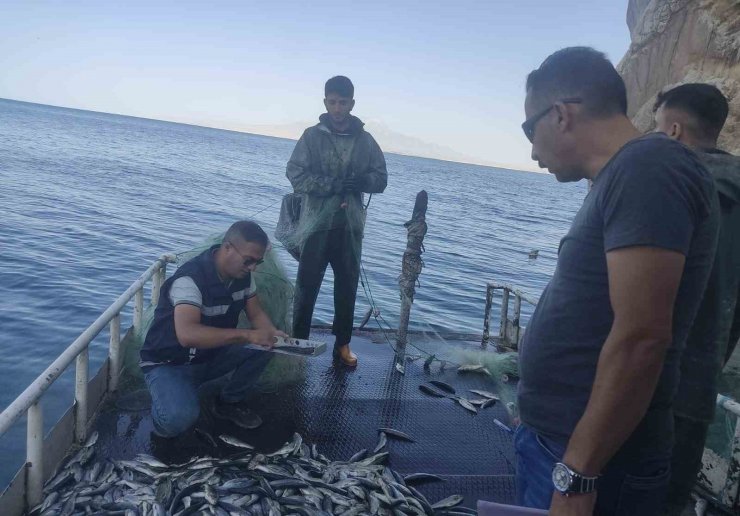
529, 124
248, 260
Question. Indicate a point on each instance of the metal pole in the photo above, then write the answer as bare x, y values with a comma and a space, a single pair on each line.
81, 376
138, 309
157, 281
34, 455
487, 316
517, 316
114, 353
504, 315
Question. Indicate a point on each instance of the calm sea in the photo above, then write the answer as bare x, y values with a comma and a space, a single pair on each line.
88, 200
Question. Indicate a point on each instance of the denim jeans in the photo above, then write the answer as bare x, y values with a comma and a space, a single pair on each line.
640, 492
174, 388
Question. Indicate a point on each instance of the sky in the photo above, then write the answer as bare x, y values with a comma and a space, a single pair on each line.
449, 73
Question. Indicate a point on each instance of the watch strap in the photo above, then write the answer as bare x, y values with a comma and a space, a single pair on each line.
581, 484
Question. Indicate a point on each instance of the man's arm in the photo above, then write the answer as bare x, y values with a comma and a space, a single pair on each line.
303, 178
643, 283
376, 176
192, 334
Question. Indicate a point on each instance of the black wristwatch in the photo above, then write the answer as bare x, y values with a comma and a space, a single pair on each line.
567, 481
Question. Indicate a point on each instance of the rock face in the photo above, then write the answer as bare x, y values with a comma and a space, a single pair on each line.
680, 41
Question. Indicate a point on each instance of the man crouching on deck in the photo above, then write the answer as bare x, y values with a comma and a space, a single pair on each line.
194, 339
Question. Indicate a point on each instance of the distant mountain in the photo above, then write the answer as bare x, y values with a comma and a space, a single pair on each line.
389, 141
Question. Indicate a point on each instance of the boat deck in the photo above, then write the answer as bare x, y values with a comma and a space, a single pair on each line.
341, 410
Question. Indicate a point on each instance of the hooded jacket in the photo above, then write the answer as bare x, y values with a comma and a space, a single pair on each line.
716, 328
317, 170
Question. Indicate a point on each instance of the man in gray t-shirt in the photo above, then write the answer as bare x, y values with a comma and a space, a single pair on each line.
599, 359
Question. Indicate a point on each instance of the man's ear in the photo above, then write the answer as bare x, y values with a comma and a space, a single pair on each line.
676, 131
565, 116
352, 105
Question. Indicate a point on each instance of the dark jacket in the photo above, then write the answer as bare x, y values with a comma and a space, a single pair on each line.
317, 171
716, 328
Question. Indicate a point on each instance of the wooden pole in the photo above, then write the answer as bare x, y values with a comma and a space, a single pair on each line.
411, 266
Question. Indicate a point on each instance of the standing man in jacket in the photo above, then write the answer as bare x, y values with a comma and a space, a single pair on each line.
694, 114
332, 165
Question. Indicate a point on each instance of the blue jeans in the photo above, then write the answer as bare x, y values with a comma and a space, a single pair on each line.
640, 492
174, 388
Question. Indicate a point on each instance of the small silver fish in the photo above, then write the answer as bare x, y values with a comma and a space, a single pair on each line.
473, 368
358, 456
92, 439
422, 477
426, 389
233, 441
365, 318
444, 386
485, 394
466, 405
382, 441
448, 502
392, 432
488, 403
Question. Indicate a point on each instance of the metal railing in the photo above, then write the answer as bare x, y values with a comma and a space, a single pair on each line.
510, 329
29, 401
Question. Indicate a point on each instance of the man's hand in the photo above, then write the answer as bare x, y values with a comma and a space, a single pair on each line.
352, 184
573, 505
264, 338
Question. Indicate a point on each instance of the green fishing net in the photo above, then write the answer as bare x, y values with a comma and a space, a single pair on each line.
303, 215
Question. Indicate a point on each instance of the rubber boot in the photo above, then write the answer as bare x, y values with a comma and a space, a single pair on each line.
345, 356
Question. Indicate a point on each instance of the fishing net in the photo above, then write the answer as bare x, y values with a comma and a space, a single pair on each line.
304, 215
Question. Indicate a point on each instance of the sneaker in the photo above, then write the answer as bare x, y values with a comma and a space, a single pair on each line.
241, 417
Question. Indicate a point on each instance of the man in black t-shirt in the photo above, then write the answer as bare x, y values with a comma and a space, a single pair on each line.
599, 359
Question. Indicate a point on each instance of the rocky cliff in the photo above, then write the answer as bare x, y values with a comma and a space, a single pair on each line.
679, 41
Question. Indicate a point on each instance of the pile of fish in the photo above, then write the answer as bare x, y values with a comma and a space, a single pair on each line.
443, 390
296, 479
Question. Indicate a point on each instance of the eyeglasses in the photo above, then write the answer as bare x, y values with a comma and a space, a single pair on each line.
248, 260
529, 124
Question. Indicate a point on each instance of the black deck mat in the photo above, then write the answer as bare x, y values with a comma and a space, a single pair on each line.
341, 410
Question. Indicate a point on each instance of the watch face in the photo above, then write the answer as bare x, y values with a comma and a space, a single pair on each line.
561, 477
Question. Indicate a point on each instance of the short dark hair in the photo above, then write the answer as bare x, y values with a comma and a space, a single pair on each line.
584, 73
248, 231
703, 102
340, 85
